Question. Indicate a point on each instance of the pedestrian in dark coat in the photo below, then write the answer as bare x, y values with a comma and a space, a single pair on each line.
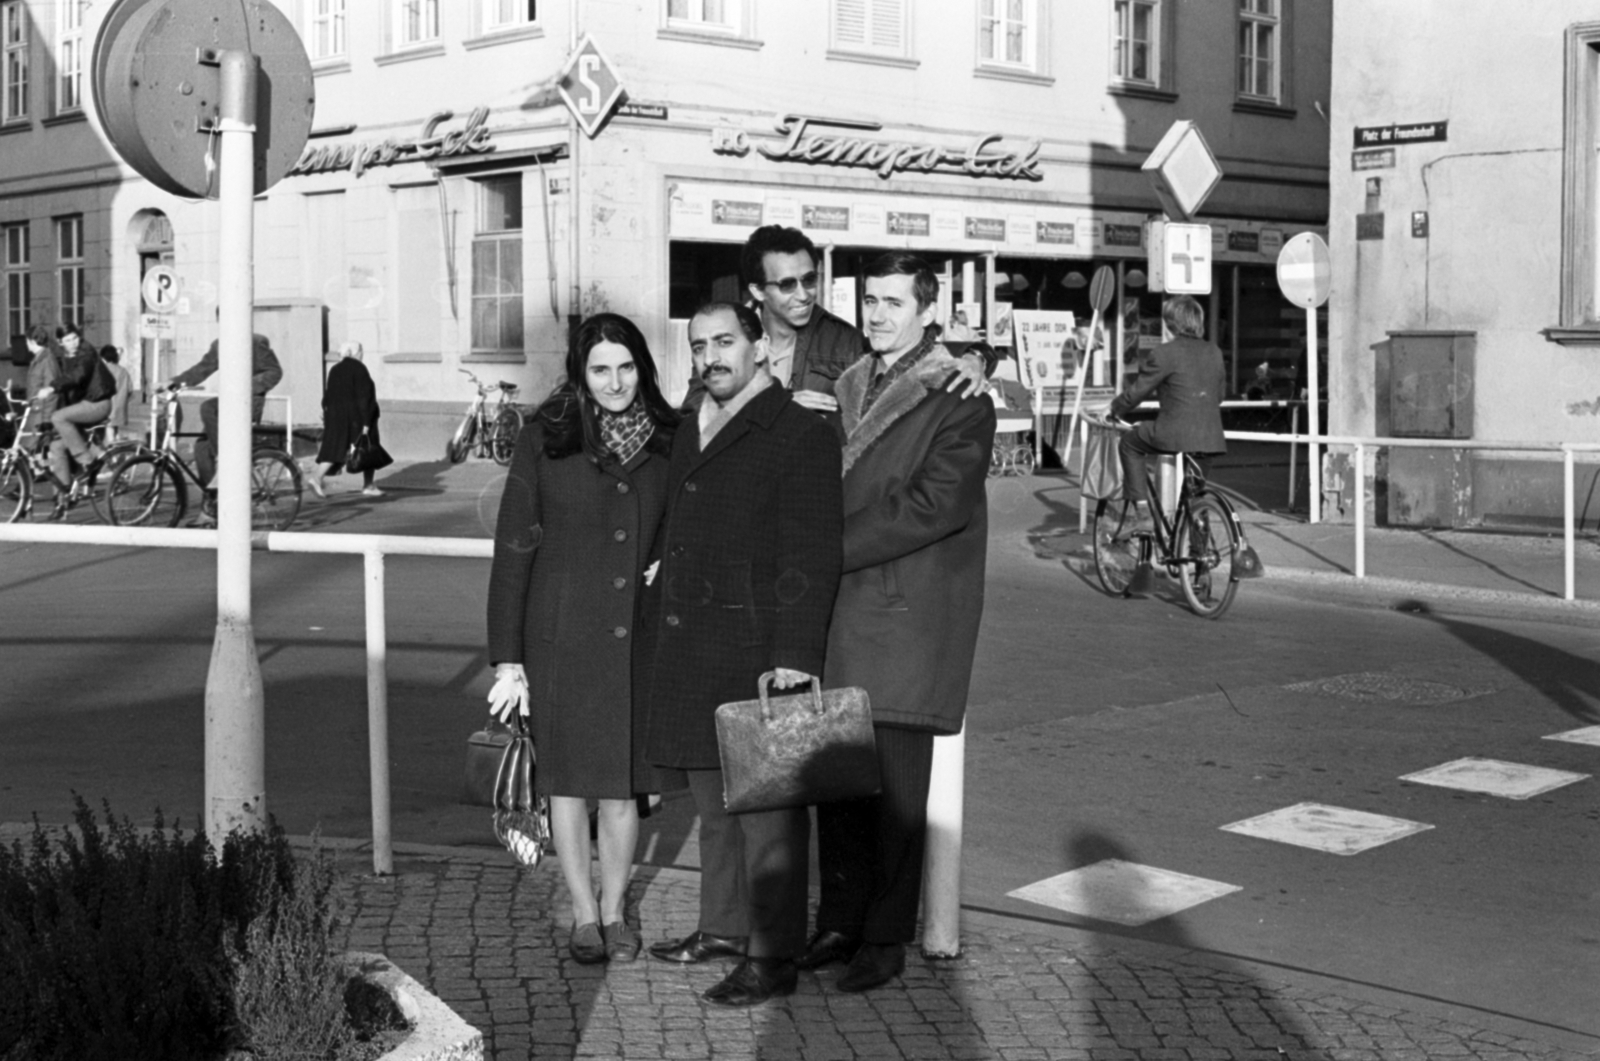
349, 412
905, 626
749, 559
582, 504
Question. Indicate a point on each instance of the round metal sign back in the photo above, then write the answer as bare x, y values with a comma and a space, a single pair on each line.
1304, 271
156, 82
1101, 288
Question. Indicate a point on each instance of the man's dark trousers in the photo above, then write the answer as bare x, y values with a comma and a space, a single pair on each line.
752, 871
887, 832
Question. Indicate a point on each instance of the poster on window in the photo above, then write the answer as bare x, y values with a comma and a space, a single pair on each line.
842, 299
1046, 346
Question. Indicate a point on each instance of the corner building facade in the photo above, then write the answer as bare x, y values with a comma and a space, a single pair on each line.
449, 215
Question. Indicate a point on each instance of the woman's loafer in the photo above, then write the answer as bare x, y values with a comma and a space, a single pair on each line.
587, 946
621, 940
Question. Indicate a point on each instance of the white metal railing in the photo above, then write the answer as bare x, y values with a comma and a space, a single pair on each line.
1360, 445
371, 547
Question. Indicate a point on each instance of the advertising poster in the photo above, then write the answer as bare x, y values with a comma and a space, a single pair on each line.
1046, 346
842, 299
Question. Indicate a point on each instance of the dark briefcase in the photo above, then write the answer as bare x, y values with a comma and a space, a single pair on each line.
485, 749
798, 749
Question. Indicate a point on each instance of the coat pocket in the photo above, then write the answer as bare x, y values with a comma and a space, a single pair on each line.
892, 597
735, 596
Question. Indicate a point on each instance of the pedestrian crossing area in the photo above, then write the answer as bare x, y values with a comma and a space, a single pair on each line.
1131, 894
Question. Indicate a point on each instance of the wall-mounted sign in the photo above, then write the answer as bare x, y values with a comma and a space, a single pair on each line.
1382, 158
471, 139
656, 112
902, 223
832, 218
1062, 232
157, 326
986, 228
1413, 133
590, 86
734, 212
1369, 225
1244, 241
803, 143
1124, 235
1419, 224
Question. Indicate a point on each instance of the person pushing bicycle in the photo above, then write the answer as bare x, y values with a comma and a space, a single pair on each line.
1188, 376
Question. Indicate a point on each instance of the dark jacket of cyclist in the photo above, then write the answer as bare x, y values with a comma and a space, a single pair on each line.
1188, 377
265, 372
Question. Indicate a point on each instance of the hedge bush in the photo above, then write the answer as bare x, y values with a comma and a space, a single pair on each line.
120, 943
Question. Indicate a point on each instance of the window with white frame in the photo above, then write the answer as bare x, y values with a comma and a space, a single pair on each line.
1008, 33
1136, 41
69, 55
508, 14
69, 268
14, 262
14, 61
1579, 320
327, 29
1260, 41
874, 27
497, 266
416, 22
718, 16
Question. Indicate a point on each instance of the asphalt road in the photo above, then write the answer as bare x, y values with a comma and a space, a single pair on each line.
1099, 728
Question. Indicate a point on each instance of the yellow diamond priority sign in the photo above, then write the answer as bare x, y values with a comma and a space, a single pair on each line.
1183, 170
590, 86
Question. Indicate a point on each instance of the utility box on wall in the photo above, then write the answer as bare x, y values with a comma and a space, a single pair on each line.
1424, 389
294, 328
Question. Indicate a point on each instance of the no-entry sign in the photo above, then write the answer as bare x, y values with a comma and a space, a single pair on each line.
1304, 272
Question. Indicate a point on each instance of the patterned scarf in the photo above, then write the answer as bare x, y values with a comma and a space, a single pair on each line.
625, 433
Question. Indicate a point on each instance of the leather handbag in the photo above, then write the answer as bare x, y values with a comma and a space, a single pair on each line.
798, 749
485, 748
366, 455
521, 815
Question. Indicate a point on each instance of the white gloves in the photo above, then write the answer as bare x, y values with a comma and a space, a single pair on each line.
510, 692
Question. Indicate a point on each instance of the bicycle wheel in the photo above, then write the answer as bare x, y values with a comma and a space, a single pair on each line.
101, 483
997, 462
275, 488
49, 500
145, 492
1116, 552
460, 443
1206, 550
1022, 459
16, 487
503, 434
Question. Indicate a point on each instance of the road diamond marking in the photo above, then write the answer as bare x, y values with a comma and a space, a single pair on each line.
1586, 735
1124, 892
1511, 780
1336, 830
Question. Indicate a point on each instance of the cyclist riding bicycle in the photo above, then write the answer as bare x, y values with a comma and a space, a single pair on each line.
83, 388
1188, 377
265, 372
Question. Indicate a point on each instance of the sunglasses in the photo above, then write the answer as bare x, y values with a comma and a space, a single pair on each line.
790, 284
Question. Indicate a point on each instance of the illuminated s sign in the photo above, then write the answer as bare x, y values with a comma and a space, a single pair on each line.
804, 143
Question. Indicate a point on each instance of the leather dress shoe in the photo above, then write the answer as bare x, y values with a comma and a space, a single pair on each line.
875, 964
827, 947
753, 981
698, 947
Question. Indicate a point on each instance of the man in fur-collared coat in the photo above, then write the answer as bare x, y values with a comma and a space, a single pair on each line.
905, 623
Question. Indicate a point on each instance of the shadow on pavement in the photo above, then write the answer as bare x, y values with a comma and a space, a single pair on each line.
1570, 682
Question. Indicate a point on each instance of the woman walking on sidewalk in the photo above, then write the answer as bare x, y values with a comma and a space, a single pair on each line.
349, 412
583, 499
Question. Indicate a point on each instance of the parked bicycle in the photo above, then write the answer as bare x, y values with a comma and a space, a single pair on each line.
29, 489
486, 433
149, 488
1200, 544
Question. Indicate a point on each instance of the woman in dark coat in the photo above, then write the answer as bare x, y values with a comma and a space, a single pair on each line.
582, 502
349, 410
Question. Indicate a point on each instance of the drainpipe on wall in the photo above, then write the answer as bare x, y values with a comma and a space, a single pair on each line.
574, 138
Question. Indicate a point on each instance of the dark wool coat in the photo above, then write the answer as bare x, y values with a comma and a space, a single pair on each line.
749, 566
349, 403
916, 529
1189, 377
569, 551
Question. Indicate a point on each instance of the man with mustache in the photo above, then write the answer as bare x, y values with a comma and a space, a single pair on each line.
748, 566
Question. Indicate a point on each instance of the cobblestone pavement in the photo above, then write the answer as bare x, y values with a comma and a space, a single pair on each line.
489, 938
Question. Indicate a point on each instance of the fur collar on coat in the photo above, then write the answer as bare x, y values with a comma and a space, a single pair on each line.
902, 396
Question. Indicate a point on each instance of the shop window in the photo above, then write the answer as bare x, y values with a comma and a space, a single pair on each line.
870, 28
1008, 33
69, 56
14, 64
416, 23
497, 267
327, 29
1260, 46
508, 14
69, 268
14, 262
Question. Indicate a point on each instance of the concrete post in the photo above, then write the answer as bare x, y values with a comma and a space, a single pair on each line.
235, 771
1313, 419
378, 714
941, 863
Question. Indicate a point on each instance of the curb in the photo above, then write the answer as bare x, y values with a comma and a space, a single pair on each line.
437, 1033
